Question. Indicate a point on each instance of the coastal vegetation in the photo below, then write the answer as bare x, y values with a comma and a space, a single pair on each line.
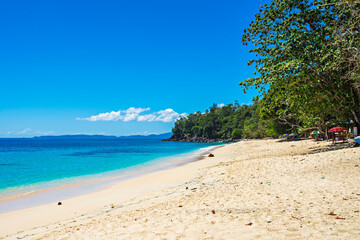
233, 121
306, 59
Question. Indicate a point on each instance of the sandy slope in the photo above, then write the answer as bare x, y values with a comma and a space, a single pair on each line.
250, 190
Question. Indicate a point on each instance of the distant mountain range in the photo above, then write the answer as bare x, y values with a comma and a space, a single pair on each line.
85, 136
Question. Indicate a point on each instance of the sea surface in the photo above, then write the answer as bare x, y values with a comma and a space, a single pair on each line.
29, 165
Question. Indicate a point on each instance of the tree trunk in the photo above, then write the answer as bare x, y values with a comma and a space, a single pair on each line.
356, 115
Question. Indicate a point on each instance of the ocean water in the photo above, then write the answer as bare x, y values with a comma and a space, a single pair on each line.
28, 165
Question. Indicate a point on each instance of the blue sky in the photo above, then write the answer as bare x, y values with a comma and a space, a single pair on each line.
139, 63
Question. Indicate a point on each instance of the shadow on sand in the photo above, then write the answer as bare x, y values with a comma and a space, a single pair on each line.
330, 147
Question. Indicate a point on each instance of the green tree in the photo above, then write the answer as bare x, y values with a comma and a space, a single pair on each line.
304, 60
236, 133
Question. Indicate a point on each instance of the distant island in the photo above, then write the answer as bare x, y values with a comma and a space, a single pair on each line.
85, 136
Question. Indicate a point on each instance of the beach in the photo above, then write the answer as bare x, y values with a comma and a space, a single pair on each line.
258, 189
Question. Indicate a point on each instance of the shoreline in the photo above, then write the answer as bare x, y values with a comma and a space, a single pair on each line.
263, 189
202, 140
93, 183
27, 218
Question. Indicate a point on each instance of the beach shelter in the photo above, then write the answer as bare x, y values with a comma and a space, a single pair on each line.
337, 129
309, 131
317, 132
338, 137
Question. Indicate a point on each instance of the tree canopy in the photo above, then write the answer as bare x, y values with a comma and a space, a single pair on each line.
307, 60
232, 121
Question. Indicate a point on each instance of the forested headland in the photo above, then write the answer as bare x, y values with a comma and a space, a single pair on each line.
226, 123
306, 60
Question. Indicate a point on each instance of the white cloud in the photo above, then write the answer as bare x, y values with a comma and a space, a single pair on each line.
25, 131
30, 132
135, 114
109, 116
130, 114
146, 118
168, 115
220, 105
46, 133
136, 110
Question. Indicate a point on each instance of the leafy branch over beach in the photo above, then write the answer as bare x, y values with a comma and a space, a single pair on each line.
307, 58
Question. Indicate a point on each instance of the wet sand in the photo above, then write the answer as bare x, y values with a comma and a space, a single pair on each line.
94, 183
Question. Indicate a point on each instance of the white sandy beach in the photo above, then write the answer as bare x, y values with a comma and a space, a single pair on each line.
262, 189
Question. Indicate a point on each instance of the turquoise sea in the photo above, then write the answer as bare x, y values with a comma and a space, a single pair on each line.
28, 165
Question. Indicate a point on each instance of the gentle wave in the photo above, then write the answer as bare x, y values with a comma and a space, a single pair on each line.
38, 165
46, 192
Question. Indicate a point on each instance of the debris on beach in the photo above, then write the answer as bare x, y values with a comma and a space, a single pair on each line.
59, 203
211, 155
